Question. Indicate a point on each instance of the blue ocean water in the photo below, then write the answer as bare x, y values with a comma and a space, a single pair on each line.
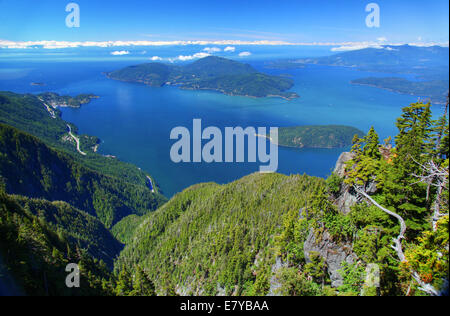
134, 121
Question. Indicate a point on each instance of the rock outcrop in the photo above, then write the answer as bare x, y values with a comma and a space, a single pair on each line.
340, 164
346, 197
332, 252
275, 284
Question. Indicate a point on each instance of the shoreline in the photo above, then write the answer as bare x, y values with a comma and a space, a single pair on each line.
395, 91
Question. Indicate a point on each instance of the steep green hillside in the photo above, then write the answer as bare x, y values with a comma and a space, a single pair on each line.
210, 73
210, 238
321, 136
29, 114
29, 167
125, 229
79, 228
33, 256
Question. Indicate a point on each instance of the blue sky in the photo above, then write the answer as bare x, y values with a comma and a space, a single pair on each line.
247, 20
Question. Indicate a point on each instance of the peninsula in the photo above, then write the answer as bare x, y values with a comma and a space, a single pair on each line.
55, 100
318, 136
436, 90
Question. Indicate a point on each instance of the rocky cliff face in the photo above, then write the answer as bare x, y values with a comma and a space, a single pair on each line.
339, 169
332, 252
346, 197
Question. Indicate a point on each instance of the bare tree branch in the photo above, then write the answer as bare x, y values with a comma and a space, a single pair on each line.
436, 176
397, 241
427, 288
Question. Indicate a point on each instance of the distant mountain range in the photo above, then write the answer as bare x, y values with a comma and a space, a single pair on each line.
210, 73
429, 64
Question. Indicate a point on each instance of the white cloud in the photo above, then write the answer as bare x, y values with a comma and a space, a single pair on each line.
355, 46
181, 57
120, 53
230, 49
212, 50
382, 39
244, 54
190, 57
67, 44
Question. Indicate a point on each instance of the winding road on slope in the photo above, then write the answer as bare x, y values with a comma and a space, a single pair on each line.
151, 184
77, 140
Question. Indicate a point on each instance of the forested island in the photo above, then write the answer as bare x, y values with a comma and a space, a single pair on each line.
320, 136
209, 73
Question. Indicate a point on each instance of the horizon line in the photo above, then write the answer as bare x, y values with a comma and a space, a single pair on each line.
53, 44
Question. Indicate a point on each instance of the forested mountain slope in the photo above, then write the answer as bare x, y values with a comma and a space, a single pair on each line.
33, 255
81, 229
213, 238
29, 167
29, 114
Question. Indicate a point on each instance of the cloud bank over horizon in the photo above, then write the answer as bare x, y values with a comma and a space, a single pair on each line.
6, 44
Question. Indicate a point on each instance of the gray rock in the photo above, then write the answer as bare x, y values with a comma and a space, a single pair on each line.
346, 199
274, 282
371, 188
340, 164
333, 253
221, 291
